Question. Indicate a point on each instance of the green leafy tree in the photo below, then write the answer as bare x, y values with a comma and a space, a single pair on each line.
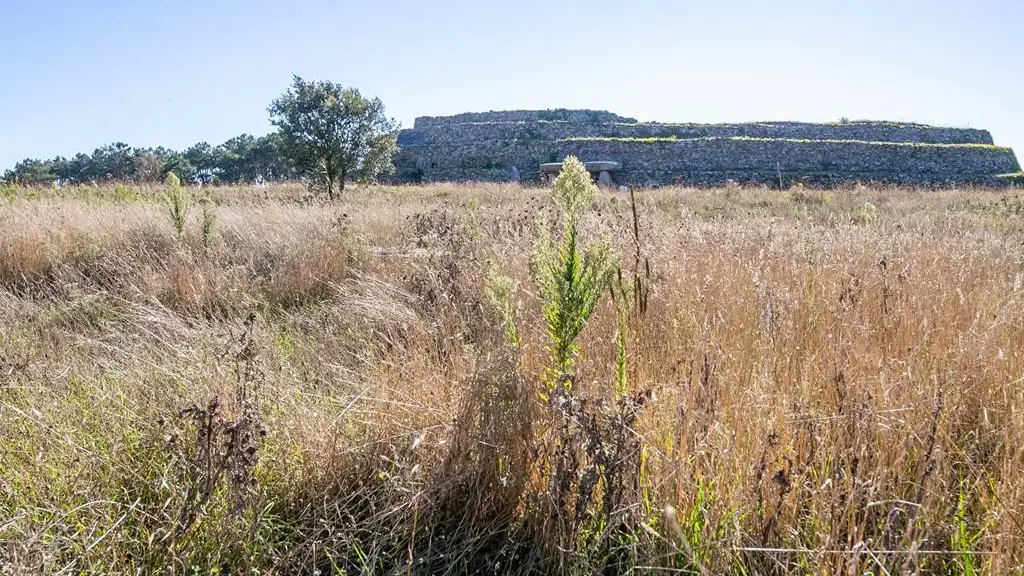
332, 134
232, 159
266, 157
250, 159
78, 169
32, 171
113, 162
202, 159
178, 163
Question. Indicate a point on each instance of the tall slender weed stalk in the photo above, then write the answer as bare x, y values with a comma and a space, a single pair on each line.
209, 222
570, 276
178, 203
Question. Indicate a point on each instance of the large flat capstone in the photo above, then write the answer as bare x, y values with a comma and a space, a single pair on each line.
595, 166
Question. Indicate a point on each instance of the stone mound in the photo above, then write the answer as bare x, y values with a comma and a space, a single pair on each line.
512, 145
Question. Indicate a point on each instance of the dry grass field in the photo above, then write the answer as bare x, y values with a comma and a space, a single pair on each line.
819, 382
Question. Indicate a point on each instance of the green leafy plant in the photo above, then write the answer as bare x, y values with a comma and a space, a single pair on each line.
866, 214
965, 538
178, 203
570, 278
123, 193
8, 192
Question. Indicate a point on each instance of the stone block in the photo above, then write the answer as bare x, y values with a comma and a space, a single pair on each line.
602, 166
594, 166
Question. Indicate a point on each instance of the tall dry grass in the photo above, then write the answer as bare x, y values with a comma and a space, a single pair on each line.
832, 382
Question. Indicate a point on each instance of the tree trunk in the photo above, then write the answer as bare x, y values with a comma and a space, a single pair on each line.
330, 182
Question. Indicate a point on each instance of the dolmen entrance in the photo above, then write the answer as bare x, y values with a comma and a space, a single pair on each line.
603, 169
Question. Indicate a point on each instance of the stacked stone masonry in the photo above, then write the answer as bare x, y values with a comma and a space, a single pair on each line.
502, 146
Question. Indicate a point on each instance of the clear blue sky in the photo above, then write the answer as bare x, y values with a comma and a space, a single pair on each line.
77, 75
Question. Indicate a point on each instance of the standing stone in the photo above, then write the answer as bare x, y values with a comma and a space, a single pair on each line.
604, 178
516, 177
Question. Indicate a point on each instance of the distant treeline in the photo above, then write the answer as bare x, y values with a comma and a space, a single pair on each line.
242, 159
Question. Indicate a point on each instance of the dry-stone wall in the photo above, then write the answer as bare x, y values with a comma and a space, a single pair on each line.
512, 145
559, 115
